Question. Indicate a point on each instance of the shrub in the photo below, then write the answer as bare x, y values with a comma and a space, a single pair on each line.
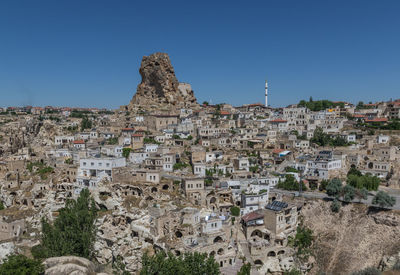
291, 184
335, 206
334, 187
302, 240
73, 232
348, 193
383, 200
21, 265
245, 269
189, 263
235, 211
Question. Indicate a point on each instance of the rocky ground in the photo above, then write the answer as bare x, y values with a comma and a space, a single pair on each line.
353, 239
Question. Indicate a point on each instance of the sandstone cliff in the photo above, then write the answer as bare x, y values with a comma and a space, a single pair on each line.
159, 86
352, 239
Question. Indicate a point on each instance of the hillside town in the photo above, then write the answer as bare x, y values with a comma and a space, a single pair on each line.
168, 173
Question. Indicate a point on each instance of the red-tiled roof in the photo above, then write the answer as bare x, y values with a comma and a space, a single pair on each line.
255, 215
128, 129
278, 120
358, 116
377, 119
137, 135
80, 141
277, 151
225, 113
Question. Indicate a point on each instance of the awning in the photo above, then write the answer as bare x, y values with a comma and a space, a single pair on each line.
284, 153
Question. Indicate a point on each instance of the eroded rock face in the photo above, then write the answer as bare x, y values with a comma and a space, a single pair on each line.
352, 239
69, 265
159, 84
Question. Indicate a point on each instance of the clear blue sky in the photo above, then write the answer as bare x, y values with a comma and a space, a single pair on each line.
87, 53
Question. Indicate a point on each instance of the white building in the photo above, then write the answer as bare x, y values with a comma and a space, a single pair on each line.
92, 170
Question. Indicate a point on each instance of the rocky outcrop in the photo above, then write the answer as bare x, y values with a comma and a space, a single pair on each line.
69, 265
352, 239
160, 86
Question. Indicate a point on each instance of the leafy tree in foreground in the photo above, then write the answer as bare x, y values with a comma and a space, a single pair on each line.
362, 194
334, 187
383, 200
168, 264
302, 240
335, 206
291, 184
126, 152
73, 232
21, 265
293, 272
348, 193
245, 269
235, 211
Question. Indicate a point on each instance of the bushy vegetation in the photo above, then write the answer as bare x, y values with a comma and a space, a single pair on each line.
334, 187
302, 241
347, 192
180, 165
86, 123
148, 140
21, 265
291, 184
72, 233
383, 200
41, 169
359, 181
245, 269
189, 263
126, 152
291, 169
390, 125
293, 271
322, 139
335, 206
235, 211
319, 105
112, 141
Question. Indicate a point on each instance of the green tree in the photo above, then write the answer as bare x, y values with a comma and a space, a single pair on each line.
348, 193
21, 265
168, 264
335, 206
322, 185
334, 187
244, 269
354, 171
293, 271
302, 241
73, 232
291, 184
235, 211
125, 152
1, 205
383, 200
86, 123
362, 194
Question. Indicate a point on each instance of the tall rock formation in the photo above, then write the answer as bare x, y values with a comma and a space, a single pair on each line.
159, 86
